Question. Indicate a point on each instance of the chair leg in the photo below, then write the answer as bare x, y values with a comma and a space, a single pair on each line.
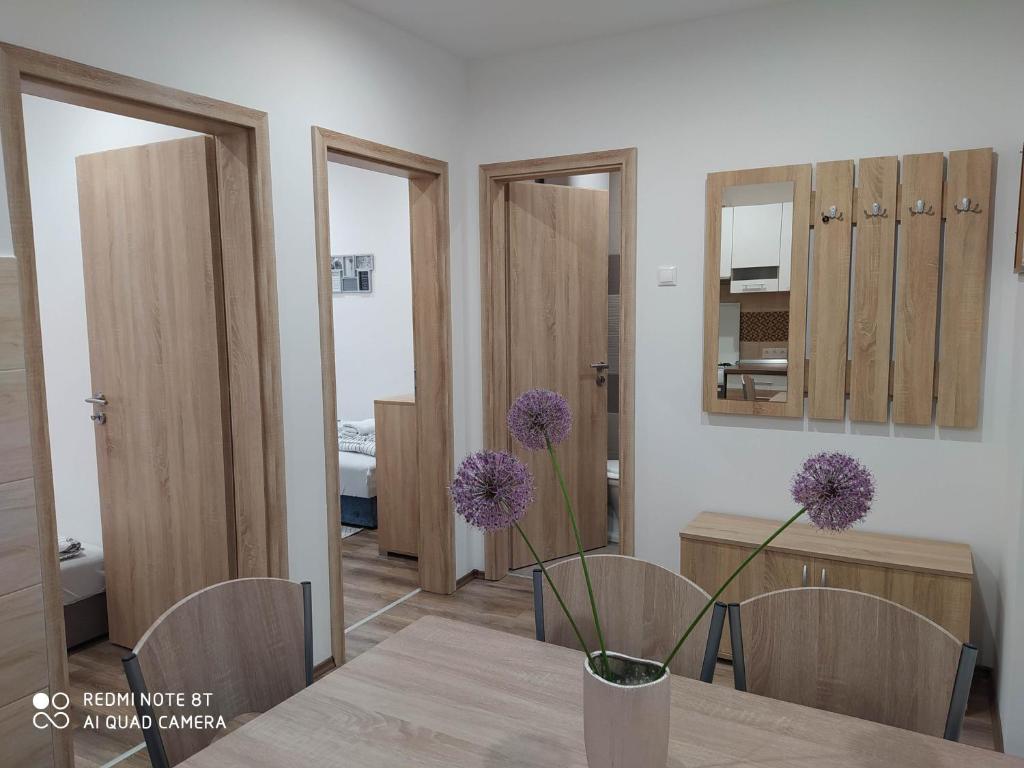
538, 604
307, 631
707, 670
961, 692
739, 668
140, 695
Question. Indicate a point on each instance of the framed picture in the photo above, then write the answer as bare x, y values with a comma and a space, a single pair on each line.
352, 274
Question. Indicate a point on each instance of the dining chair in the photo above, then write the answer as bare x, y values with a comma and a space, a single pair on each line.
233, 649
644, 610
855, 654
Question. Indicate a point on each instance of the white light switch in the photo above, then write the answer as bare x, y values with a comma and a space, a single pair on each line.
666, 275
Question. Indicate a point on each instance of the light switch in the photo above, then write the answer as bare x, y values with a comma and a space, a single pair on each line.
666, 275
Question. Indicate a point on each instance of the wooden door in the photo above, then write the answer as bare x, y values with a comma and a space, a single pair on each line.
151, 255
558, 327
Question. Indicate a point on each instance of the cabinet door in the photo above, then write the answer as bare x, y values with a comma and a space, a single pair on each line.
708, 564
786, 571
946, 600
756, 235
854, 576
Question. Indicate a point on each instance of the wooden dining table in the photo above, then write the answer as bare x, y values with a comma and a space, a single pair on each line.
441, 693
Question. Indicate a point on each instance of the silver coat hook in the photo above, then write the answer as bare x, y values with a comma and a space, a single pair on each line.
830, 214
964, 206
918, 208
877, 211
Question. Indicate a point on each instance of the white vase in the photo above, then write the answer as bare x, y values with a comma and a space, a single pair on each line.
626, 726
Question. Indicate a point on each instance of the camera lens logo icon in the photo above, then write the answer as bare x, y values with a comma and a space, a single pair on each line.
43, 719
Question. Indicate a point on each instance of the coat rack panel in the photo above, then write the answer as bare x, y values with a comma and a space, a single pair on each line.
870, 353
964, 275
830, 291
874, 324
917, 289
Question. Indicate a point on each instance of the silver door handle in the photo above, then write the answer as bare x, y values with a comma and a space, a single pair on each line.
97, 399
824, 578
602, 366
803, 577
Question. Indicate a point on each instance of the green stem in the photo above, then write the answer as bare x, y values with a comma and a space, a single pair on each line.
561, 602
728, 581
579, 546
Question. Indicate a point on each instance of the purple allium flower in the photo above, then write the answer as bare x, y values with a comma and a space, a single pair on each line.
836, 489
492, 489
538, 415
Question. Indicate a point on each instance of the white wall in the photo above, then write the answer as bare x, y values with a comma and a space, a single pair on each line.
372, 332
796, 83
55, 135
305, 62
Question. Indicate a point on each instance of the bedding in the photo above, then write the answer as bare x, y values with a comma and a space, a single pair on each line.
357, 475
82, 576
357, 437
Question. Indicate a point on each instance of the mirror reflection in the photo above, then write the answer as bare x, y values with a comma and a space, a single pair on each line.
753, 311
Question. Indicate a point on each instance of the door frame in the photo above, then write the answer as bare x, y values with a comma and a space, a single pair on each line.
494, 282
431, 316
250, 300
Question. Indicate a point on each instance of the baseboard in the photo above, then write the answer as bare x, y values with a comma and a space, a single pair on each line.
325, 666
476, 573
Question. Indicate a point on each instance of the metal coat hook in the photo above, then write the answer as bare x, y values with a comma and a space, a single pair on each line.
918, 208
964, 206
830, 214
877, 211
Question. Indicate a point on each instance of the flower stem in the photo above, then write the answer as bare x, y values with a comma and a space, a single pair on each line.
579, 546
561, 602
728, 581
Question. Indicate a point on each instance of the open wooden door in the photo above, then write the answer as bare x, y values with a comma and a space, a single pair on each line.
558, 329
154, 301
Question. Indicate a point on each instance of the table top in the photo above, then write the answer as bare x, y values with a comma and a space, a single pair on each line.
445, 694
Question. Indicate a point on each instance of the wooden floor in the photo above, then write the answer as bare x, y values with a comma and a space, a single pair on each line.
371, 584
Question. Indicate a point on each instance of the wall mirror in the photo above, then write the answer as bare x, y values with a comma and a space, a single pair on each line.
755, 290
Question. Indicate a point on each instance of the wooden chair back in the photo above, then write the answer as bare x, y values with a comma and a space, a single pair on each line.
246, 642
644, 610
855, 654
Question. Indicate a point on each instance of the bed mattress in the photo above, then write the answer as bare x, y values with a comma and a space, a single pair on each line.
83, 576
357, 474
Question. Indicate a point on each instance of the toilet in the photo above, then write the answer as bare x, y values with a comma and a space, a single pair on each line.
613, 500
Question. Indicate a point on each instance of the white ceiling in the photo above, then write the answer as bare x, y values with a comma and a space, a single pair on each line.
481, 28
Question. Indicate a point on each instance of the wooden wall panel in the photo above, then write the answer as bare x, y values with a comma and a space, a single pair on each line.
19, 536
11, 347
23, 668
964, 279
830, 291
15, 440
917, 290
20, 743
873, 271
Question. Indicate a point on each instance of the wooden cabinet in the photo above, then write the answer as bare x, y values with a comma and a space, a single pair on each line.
933, 578
398, 517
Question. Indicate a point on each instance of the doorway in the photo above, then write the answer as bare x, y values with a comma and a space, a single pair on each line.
558, 272
413, 430
227, 153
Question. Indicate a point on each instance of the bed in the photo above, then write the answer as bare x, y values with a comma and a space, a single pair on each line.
358, 482
84, 591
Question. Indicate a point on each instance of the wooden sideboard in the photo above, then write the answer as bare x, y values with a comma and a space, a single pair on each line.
934, 578
398, 516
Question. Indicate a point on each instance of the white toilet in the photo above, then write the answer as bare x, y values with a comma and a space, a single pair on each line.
613, 500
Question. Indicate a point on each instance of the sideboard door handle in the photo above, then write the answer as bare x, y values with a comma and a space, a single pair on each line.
824, 578
803, 578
